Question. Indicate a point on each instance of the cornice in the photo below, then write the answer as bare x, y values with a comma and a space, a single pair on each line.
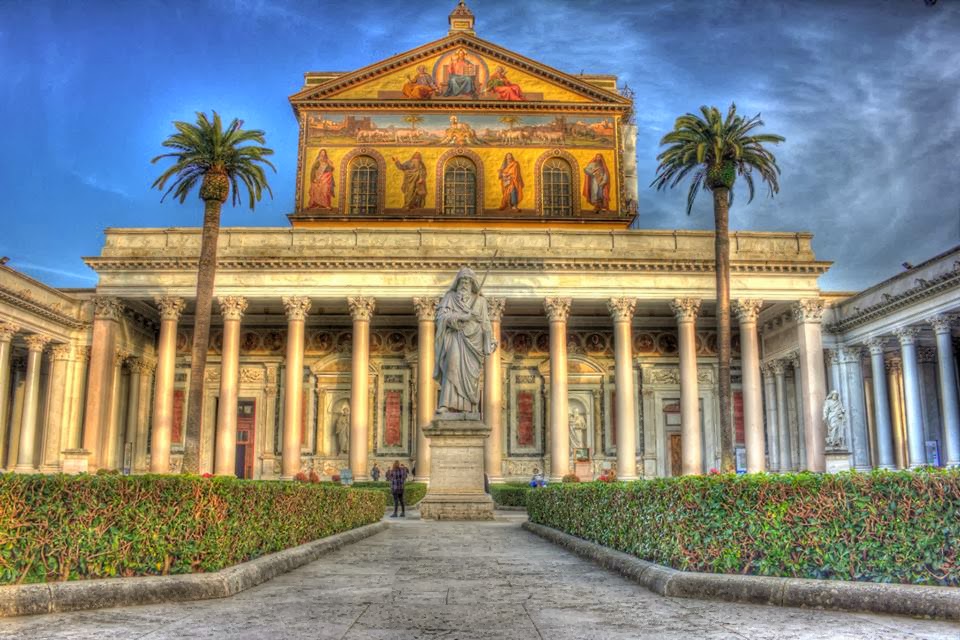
113, 264
888, 304
41, 310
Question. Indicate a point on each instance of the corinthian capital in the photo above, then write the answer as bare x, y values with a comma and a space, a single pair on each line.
558, 309
747, 309
36, 342
778, 367
361, 307
120, 356
297, 307
907, 335
170, 308
232, 307
60, 352
496, 307
7, 331
426, 308
941, 323
875, 344
107, 308
621, 309
808, 310
685, 309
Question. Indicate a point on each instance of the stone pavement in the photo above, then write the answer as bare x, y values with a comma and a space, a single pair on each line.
460, 581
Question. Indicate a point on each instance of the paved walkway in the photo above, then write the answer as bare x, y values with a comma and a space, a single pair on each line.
461, 580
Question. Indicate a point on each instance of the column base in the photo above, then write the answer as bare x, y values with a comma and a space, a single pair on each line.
495, 479
837, 461
25, 468
424, 479
887, 467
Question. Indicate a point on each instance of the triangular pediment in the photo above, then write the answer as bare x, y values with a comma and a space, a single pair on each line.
456, 69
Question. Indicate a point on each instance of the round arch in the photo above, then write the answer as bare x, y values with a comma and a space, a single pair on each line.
441, 170
343, 192
574, 179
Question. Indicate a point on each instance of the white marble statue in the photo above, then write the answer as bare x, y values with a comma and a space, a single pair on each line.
835, 419
342, 429
464, 338
578, 429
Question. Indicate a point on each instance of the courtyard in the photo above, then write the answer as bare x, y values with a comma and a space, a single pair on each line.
423, 579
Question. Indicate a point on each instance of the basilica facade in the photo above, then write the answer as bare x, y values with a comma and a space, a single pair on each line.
461, 152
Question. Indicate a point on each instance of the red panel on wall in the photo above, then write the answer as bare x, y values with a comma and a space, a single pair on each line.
394, 432
178, 400
738, 415
525, 418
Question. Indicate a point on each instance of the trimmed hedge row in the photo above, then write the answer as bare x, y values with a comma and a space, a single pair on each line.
413, 492
881, 526
58, 527
511, 494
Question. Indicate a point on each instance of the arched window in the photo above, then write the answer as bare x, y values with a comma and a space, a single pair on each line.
364, 176
557, 184
460, 187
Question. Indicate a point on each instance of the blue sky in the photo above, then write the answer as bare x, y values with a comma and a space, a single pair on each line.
866, 93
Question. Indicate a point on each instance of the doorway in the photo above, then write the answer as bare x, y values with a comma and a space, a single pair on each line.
246, 431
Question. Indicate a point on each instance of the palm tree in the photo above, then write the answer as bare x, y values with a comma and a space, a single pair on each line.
413, 120
510, 121
717, 150
207, 154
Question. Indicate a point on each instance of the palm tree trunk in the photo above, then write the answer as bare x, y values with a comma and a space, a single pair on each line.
721, 215
206, 275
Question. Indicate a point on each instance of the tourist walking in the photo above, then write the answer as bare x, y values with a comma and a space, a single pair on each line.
397, 477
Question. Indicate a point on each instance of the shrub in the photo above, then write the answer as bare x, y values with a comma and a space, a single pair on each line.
58, 527
335, 478
300, 477
570, 477
882, 526
413, 492
510, 494
314, 477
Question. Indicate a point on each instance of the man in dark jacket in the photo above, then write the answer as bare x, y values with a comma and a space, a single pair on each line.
397, 477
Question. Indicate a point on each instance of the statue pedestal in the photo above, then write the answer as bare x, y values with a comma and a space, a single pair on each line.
837, 460
456, 471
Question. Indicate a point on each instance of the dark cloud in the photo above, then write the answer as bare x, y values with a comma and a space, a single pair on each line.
867, 94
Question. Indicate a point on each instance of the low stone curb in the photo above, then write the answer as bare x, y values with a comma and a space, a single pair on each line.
75, 595
899, 599
498, 507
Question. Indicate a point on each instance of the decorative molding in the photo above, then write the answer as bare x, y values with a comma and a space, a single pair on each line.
296, 307
875, 344
941, 323
142, 365
8, 330
621, 309
120, 356
685, 309
926, 355
361, 307
60, 352
440, 172
251, 375
558, 309
171, 308
232, 307
575, 196
907, 335
893, 365
53, 313
496, 306
426, 308
36, 341
808, 310
747, 309
778, 367
345, 180
107, 308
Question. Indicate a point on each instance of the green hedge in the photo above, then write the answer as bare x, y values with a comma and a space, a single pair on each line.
413, 492
57, 527
511, 494
881, 526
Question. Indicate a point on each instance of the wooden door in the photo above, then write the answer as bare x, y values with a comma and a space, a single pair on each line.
246, 431
676, 460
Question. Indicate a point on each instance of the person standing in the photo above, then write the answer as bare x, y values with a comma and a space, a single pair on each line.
375, 472
511, 183
414, 187
397, 477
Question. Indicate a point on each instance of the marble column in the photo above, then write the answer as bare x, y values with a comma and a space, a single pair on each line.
111, 444
947, 375
493, 398
807, 314
881, 406
794, 360
31, 405
747, 312
916, 450
225, 461
7, 331
894, 371
133, 413
426, 387
691, 443
145, 368
18, 377
770, 402
170, 310
77, 397
57, 408
851, 390
621, 311
558, 310
833, 360
361, 310
297, 308
783, 415
96, 422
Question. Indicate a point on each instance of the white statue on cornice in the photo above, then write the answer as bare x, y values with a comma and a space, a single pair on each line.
835, 419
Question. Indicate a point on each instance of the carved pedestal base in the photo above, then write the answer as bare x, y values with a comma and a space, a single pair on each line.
75, 461
837, 460
456, 471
